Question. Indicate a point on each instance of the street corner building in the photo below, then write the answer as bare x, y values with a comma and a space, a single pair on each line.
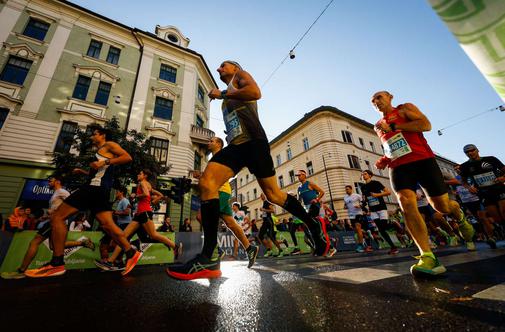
64, 67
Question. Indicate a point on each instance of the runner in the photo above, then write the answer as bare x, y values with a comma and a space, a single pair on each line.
267, 232
144, 218
44, 233
411, 161
95, 197
352, 203
488, 176
248, 147
374, 193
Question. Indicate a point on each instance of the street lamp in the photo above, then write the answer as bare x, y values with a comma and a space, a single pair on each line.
328, 183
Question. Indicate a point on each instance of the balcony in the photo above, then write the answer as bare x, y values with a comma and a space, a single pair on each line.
200, 135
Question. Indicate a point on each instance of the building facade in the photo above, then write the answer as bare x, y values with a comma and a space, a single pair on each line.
63, 66
333, 147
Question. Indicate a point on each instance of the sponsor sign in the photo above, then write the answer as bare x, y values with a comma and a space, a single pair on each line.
37, 190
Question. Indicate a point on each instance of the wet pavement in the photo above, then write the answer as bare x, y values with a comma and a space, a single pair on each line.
349, 292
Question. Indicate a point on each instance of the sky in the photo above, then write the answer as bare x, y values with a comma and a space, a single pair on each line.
355, 49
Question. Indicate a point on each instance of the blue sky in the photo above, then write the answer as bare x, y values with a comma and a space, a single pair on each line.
356, 48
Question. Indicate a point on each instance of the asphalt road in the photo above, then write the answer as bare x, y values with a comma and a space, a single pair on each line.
349, 292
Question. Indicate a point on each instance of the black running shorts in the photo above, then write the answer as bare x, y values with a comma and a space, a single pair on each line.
45, 231
492, 196
143, 217
425, 172
255, 155
267, 228
359, 219
473, 207
94, 198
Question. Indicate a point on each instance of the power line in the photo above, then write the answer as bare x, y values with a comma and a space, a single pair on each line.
501, 108
291, 53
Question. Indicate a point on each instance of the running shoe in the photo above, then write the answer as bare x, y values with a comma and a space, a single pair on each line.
87, 243
368, 249
13, 275
394, 251
331, 252
178, 251
46, 270
426, 266
105, 265
199, 267
466, 230
252, 253
453, 241
360, 248
131, 262
221, 253
268, 253
280, 254
285, 242
470, 246
320, 236
296, 251
492, 243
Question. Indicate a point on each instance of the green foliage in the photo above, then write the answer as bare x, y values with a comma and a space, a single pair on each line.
134, 142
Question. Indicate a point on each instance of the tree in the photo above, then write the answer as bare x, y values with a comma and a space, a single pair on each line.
82, 153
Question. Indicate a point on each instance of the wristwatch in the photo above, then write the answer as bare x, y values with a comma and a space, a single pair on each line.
223, 94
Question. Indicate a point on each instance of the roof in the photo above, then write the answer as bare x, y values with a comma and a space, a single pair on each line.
150, 34
317, 111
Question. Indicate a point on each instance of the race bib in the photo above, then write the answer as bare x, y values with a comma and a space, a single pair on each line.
396, 147
485, 179
373, 201
232, 124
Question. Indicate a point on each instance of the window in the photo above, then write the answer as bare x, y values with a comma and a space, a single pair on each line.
292, 178
3, 116
281, 181
347, 136
159, 149
201, 94
255, 193
198, 161
361, 142
163, 108
368, 166
372, 146
241, 181
199, 122
247, 178
310, 168
94, 49
81, 87
357, 188
279, 160
66, 137
36, 29
289, 155
168, 73
305, 144
248, 198
15, 70
256, 213
113, 55
102, 95
353, 161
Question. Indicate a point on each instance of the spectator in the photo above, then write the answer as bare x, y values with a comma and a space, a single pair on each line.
186, 227
122, 212
31, 221
282, 226
167, 226
80, 224
17, 220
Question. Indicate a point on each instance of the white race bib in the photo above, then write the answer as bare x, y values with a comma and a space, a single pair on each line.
232, 124
396, 147
373, 201
485, 179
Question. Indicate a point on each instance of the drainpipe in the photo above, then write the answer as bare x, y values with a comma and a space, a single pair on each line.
141, 48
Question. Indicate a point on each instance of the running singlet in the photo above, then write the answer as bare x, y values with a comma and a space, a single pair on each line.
102, 177
483, 172
403, 147
241, 120
374, 203
239, 216
307, 194
353, 203
464, 194
57, 198
144, 204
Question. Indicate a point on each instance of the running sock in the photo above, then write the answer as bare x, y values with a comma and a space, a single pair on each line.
57, 261
295, 208
210, 220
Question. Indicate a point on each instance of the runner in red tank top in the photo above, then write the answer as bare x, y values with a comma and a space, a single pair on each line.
411, 161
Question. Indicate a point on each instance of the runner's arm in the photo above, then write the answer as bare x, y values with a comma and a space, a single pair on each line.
247, 90
418, 122
320, 191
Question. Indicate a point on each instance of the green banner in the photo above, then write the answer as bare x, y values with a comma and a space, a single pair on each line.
77, 257
479, 26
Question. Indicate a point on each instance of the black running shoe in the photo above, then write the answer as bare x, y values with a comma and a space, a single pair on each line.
320, 237
199, 267
252, 253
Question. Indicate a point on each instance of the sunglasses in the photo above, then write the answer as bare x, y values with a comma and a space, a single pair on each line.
472, 150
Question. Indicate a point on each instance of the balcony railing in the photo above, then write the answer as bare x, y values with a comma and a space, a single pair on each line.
201, 135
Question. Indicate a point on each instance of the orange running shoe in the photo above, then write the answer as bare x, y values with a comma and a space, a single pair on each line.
131, 262
46, 270
199, 267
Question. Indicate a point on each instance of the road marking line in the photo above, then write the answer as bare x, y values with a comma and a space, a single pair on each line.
492, 293
356, 276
